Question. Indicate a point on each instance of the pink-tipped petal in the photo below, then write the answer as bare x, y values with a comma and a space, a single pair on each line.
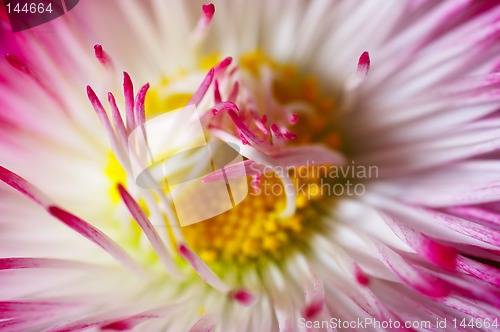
16, 263
479, 270
202, 89
278, 138
127, 324
483, 215
208, 10
128, 90
234, 93
101, 55
224, 106
361, 72
417, 279
463, 226
364, 65
122, 319
260, 123
207, 14
139, 108
360, 275
96, 236
118, 120
223, 65
436, 253
148, 230
103, 117
204, 324
23, 186
315, 298
439, 254
94, 100
244, 297
264, 119
22, 323
480, 292
235, 171
217, 96
246, 131
202, 269
10, 309
288, 134
243, 139
20, 65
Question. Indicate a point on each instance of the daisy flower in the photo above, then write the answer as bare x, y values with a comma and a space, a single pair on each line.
362, 172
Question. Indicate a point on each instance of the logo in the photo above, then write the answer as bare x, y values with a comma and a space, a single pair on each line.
26, 14
171, 151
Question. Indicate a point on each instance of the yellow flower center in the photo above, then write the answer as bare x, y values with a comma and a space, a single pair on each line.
253, 231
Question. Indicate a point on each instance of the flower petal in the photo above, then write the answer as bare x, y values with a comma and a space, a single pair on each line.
149, 230
97, 237
202, 269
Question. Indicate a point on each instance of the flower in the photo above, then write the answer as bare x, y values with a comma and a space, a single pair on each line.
369, 132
